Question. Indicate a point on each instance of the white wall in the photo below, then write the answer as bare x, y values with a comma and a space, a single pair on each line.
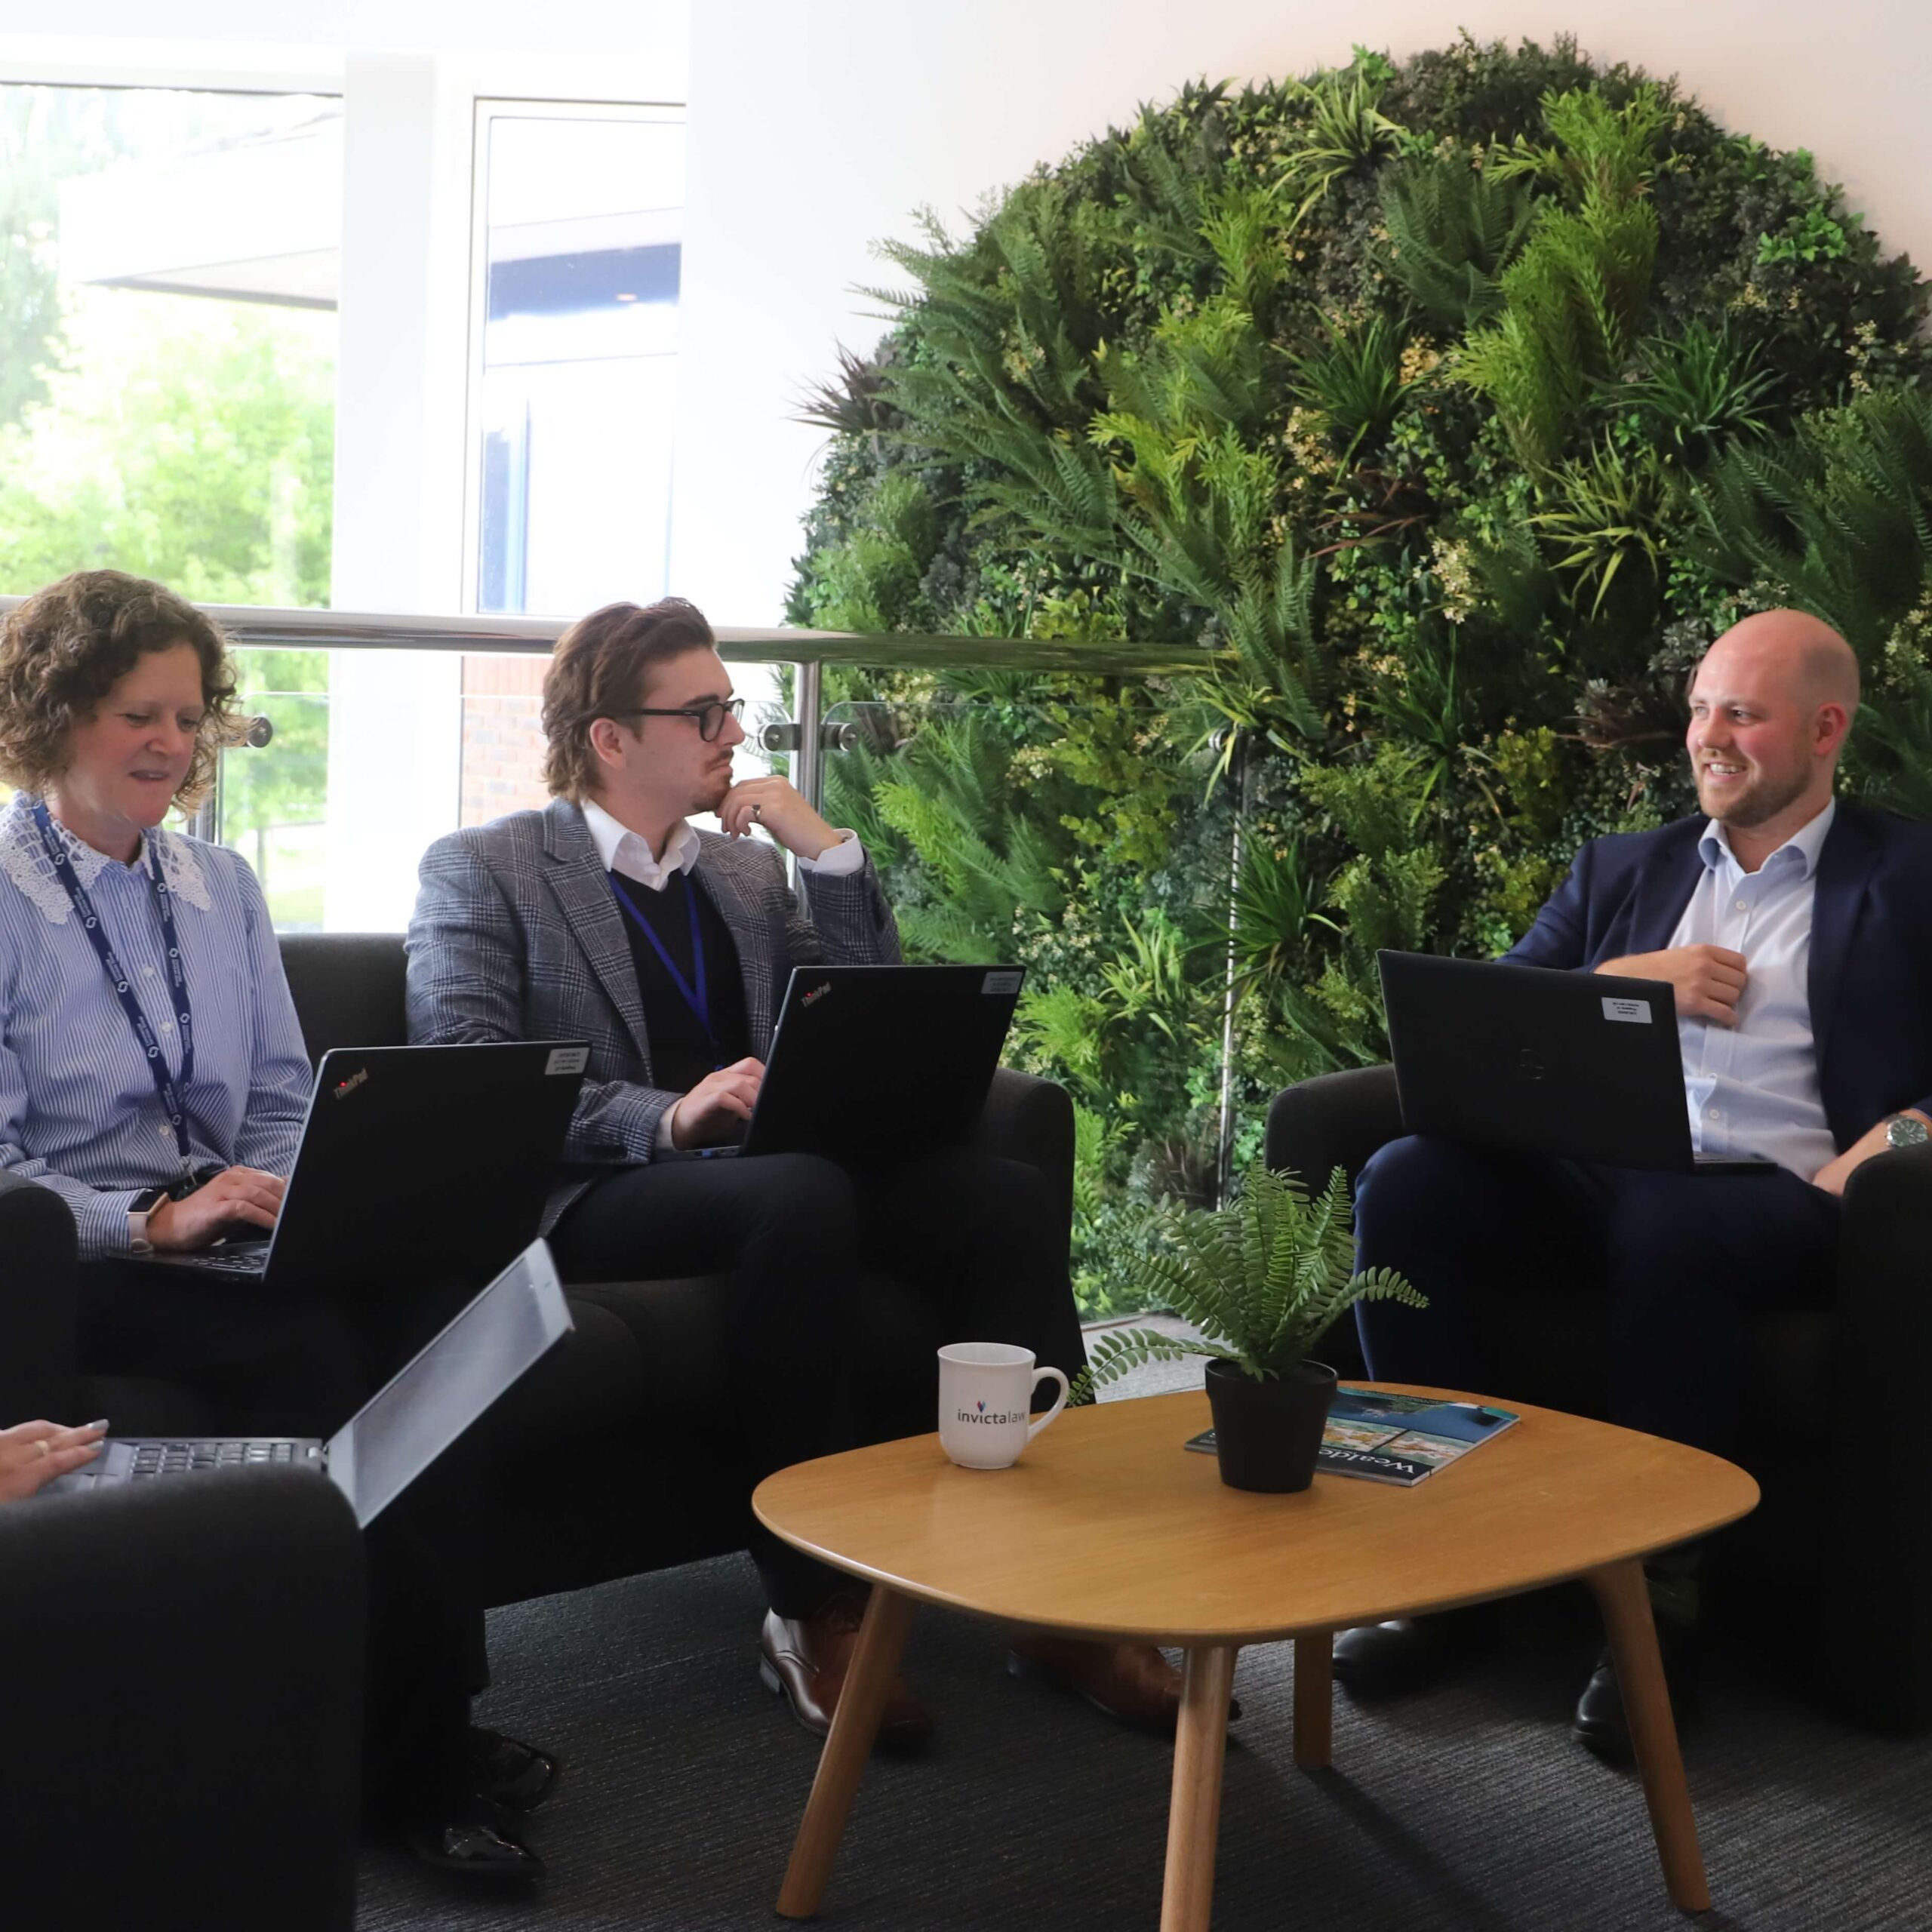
816, 128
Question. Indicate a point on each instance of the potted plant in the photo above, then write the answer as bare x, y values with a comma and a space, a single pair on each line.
1262, 1277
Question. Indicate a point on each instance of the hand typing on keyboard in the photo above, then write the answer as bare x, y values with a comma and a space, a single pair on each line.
33, 1454
243, 1194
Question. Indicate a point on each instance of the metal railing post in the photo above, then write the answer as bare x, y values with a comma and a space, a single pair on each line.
807, 713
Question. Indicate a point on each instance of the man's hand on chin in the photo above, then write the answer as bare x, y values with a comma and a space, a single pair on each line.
774, 803
1833, 1175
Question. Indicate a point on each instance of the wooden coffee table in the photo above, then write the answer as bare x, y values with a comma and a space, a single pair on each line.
1107, 1528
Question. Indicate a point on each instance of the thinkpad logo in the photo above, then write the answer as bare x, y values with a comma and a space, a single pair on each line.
343, 1088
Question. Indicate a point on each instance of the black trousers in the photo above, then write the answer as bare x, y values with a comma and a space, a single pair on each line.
1681, 1260
972, 1233
269, 1364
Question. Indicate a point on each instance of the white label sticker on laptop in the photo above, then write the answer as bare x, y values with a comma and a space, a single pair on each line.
574, 1059
1638, 1010
1000, 982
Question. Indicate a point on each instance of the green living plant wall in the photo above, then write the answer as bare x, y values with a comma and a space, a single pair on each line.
1459, 403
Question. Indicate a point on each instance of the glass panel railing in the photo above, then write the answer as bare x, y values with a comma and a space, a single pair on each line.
369, 755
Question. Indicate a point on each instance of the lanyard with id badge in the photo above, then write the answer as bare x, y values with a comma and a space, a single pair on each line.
167, 1086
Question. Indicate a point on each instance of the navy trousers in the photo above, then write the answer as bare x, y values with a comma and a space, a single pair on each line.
1680, 1261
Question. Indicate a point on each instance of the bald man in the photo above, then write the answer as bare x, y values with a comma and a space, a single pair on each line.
1797, 931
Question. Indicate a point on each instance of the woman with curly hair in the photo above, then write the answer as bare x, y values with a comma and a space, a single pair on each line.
152, 1074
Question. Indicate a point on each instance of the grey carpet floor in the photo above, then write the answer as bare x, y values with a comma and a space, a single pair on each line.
1467, 1808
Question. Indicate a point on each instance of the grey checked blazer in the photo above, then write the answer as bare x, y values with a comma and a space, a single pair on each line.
516, 935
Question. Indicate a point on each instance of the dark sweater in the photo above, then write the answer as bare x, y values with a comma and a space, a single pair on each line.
680, 1053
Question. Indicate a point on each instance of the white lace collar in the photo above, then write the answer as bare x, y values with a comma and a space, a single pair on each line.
24, 860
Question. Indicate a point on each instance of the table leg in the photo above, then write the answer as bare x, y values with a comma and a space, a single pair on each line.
1315, 1701
1194, 1816
854, 1726
1625, 1601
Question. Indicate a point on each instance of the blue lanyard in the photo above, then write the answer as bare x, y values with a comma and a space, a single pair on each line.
165, 1083
698, 997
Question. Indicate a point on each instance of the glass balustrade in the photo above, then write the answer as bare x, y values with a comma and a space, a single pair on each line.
364, 762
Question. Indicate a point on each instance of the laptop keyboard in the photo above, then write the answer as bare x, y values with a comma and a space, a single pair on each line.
174, 1458
245, 1261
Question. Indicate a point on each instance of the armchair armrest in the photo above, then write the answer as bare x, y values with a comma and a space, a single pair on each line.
1027, 1119
38, 1254
1875, 1621
182, 1694
1334, 1120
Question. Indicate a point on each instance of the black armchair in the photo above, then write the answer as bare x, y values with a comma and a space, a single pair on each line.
1844, 1533
180, 1692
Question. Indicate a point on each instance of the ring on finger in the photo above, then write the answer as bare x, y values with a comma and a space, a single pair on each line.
758, 812
40, 1449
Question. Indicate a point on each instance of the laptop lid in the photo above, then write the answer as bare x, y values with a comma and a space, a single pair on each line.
428, 1165
879, 1063
1577, 1065
422, 1409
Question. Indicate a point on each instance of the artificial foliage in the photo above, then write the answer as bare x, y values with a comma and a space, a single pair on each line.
1456, 405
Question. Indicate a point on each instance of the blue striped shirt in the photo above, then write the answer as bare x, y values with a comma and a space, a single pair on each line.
78, 1112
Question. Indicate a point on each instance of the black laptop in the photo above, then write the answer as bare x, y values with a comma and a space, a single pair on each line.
874, 1065
429, 1165
1576, 1065
403, 1428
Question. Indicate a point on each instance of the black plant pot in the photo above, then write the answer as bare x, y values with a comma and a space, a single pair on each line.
1267, 1434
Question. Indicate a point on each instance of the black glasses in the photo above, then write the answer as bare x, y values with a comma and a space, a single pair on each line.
710, 718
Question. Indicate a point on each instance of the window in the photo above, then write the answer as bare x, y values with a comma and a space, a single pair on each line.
168, 267
580, 223
168, 370
579, 228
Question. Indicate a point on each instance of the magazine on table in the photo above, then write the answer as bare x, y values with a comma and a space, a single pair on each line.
1401, 1439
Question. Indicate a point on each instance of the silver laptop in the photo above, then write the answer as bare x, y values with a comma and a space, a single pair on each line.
404, 1426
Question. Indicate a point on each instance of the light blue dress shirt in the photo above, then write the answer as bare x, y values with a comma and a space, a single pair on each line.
1753, 1088
78, 1112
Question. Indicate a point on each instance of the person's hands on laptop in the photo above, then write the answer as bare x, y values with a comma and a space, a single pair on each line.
715, 1111
245, 1195
33, 1454
1709, 979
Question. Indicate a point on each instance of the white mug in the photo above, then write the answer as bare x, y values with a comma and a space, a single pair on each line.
985, 1390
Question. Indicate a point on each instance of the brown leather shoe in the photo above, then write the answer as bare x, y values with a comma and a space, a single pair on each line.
804, 1659
1133, 1682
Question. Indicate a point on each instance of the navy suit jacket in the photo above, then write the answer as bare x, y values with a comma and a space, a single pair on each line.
1870, 977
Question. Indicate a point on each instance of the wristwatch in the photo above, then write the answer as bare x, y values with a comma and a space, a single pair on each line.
141, 1207
1905, 1130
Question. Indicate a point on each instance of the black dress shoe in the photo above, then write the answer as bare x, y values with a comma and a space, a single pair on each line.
1404, 1653
476, 1843
508, 1772
1599, 1724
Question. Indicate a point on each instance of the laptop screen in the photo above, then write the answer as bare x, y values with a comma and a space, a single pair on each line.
407, 1424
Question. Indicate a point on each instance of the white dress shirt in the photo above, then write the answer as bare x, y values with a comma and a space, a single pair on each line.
623, 850
1753, 1088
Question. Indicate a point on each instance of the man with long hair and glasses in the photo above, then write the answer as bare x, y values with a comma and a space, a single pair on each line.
608, 916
